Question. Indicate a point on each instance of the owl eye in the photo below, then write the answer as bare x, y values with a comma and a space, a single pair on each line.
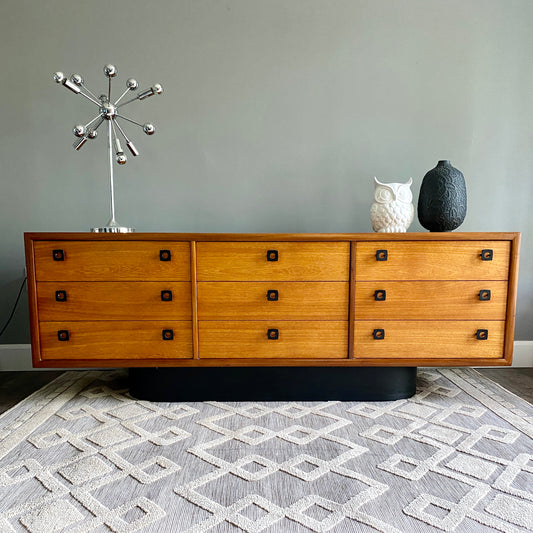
405, 195
383, 195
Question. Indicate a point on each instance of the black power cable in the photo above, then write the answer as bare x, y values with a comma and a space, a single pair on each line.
14, 308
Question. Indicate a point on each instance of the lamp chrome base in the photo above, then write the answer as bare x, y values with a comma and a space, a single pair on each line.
113, 227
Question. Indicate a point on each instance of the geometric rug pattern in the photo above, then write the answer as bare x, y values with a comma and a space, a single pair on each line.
80, 455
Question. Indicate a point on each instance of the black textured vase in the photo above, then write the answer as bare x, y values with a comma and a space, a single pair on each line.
442, 199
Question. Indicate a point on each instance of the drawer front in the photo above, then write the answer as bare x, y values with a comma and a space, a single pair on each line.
457, 260
295, 339
426, 300
273, 261
113, 300
428, 339
273, 300
112, 261
117, 340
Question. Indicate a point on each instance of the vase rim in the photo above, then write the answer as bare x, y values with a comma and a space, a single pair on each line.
444, 162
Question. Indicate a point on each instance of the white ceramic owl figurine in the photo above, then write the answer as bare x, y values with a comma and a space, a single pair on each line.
392, 210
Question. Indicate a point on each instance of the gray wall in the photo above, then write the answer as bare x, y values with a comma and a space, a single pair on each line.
276, 116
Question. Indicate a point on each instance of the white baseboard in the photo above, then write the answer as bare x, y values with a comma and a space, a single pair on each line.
18, 356
523, 354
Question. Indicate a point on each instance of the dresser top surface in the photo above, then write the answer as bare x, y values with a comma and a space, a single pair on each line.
222, 237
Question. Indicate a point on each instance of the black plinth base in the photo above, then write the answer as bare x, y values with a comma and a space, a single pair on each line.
272, 383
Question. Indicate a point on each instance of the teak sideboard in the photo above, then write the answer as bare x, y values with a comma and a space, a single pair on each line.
278, 300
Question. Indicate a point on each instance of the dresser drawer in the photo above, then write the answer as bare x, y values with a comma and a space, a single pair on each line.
112, 261
428, 339
273, 300
295, 339
114, 300
273, 261
115, 340
439, 300
433, 260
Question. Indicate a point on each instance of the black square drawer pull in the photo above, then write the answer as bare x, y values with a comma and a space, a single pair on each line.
63, 335
272, 255
378, 334
165, 255
167, 334
382, 255
486, 255
58, 255
482, 334
273, 334
380, 295
484, 295
166, 296
61, 296
272, 296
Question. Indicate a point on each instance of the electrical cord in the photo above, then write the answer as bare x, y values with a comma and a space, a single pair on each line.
14, 307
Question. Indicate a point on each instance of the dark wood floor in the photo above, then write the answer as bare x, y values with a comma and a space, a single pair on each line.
517, 380
15, 386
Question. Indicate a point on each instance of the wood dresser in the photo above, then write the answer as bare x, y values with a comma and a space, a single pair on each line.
272, 300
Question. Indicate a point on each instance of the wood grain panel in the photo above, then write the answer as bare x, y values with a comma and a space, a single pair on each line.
419, 340
112, 261
430, 300
297, 339
297, 261
194, 295
459, 260
110, 341
296, 300
511, 298
114, 300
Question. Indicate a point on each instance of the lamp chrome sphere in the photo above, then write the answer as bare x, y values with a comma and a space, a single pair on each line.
79, 130
77, 79
92, 134
108, 110
110, 71
58, 77
157, 88
132, 84
121, 158
149, 129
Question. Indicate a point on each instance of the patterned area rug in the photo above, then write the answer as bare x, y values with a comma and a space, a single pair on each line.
81, 456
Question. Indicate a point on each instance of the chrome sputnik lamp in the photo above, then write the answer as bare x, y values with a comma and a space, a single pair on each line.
111, 112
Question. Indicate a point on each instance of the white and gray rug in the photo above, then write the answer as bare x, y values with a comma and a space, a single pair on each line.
81, 456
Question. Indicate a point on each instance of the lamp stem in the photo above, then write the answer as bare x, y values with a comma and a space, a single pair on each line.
122, 96
90, 99
112, 222
90, 92
93, 120
112, 225
130, 120
120, 129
